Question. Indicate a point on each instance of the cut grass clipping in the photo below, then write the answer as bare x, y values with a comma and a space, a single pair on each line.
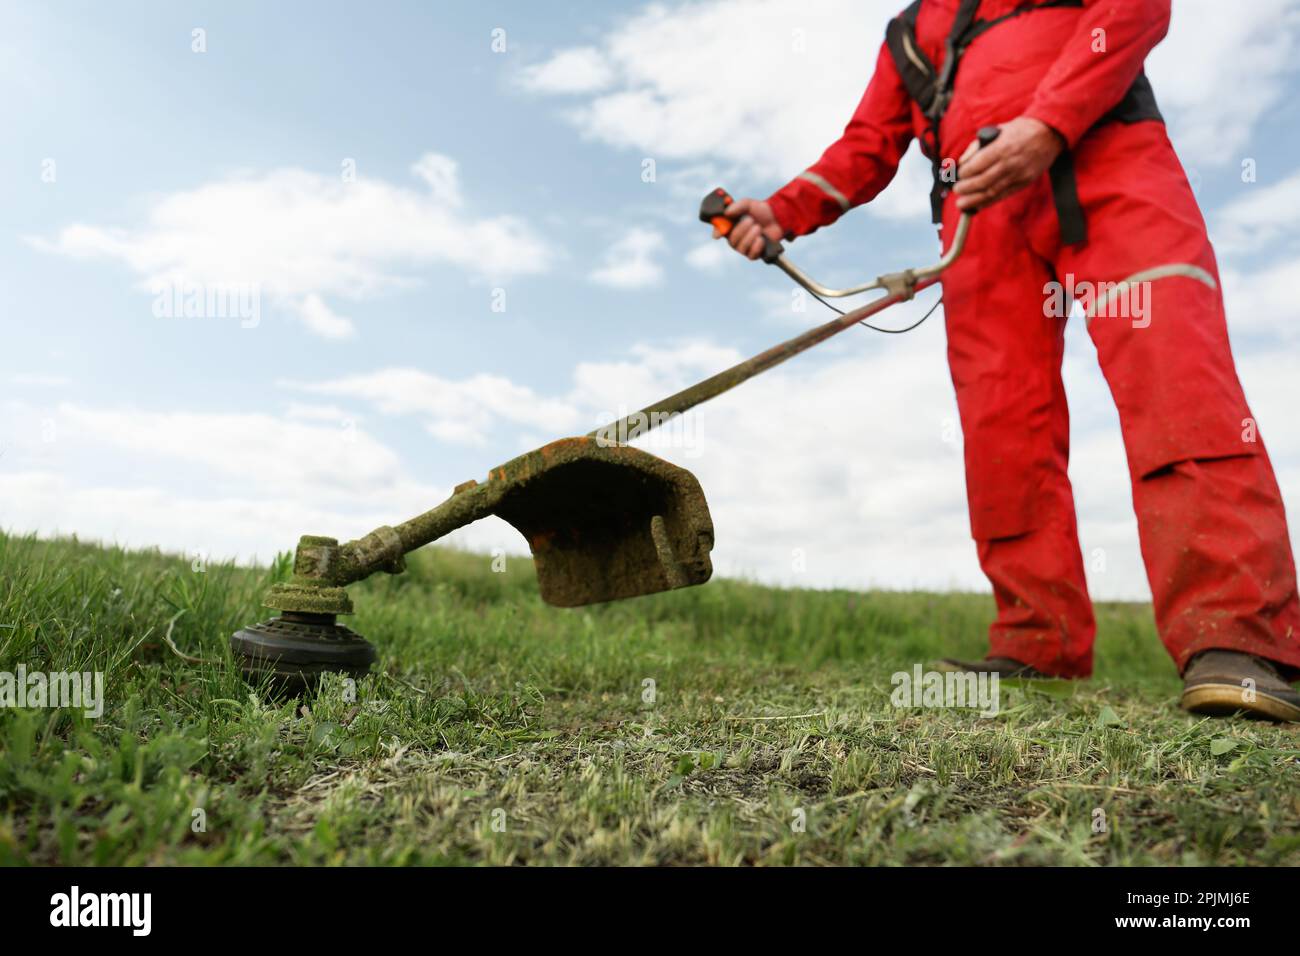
728, 724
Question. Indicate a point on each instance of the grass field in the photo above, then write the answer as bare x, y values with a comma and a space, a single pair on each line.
498, 730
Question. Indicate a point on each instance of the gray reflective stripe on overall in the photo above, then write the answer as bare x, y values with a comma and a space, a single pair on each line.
1150, 275
818, 181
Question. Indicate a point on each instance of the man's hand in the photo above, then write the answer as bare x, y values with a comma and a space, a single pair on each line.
1022, 153
753, 220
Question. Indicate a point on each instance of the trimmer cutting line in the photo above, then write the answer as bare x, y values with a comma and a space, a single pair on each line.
603, 520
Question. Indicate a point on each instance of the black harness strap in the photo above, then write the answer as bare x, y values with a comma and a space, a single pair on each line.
920, 78
914, 66
953, 50
1138, 104
932, 89
1065, 193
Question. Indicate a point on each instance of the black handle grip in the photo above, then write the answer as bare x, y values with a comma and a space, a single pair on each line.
714, 206
713, 210
986, 135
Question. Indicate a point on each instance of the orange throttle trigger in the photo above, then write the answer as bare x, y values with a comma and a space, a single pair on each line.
713, 210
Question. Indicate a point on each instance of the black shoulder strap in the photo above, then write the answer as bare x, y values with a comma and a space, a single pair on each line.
957, 41
913, 65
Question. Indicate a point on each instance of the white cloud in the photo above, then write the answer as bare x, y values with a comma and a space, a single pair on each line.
246, 527
1263, 219
677, 94
671, 99
907, 198
1222, 68
630, 263
650, 373
319, 413
1257, 240
578, 70
462, 411
301, 237
41, 381
1262, 305
242, 486
146, 515
801, 66
338, 459
710, 257
440, 174
781, 306
321, 319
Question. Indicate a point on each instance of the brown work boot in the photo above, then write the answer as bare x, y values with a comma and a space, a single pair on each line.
1004, 667
1222, 683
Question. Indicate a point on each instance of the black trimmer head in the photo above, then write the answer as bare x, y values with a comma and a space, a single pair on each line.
294, 649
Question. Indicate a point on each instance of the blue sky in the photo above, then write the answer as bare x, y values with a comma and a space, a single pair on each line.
379, 374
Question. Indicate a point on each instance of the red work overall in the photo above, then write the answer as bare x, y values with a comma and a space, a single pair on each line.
1210, 516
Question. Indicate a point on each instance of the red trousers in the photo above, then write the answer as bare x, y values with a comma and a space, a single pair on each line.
1210, 517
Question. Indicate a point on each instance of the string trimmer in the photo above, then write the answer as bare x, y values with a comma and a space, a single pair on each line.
603, 520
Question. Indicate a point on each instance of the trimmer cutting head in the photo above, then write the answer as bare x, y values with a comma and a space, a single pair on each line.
294, 649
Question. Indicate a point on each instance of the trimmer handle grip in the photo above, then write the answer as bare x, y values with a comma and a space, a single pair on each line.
986, 135
713, 210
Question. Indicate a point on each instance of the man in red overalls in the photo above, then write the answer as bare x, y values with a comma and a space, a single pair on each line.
1081, 187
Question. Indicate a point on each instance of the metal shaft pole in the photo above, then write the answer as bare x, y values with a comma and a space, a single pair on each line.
656, 413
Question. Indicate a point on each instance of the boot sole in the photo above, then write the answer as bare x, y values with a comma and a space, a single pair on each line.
1224, 700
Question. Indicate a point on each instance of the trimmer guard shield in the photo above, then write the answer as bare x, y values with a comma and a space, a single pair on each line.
605, 521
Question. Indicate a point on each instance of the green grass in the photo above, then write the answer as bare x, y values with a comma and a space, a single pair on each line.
498, 730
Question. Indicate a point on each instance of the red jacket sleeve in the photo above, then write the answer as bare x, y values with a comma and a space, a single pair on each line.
861, 163
1098, 63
